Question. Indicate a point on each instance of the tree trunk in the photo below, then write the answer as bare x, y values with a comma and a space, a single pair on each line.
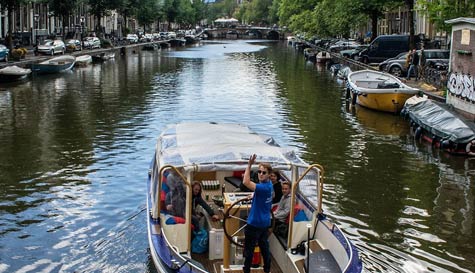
374, 25
410, 8
9, 40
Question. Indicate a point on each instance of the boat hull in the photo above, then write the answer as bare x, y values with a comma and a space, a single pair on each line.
386, 102
54, 65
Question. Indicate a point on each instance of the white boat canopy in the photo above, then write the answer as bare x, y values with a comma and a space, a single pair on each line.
219, 146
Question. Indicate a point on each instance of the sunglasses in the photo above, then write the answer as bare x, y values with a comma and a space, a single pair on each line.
262, 172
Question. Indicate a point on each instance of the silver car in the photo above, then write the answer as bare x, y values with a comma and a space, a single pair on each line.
397, 66
52, 47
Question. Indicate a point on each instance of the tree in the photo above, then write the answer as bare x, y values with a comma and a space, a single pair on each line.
63, 9
146, 12
439, 11
10, 6
101, 8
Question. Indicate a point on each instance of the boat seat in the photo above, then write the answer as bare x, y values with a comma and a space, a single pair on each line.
388, 85
322, 262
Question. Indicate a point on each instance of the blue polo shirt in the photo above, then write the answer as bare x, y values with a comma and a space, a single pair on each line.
259, 215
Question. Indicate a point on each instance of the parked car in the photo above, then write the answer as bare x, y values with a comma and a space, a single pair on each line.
91, 42
397, 66
343, 45
4, 53
385, 47
74, 44
171, 35
132, 38
352, 53
51, 47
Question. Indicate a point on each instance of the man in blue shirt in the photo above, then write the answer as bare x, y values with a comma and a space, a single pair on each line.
259, 219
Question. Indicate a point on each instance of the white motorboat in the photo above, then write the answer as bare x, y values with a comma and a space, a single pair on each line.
13, 73
216, 155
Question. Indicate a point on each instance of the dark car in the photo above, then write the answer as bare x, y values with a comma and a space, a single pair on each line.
385, 47
397, 66
352, 53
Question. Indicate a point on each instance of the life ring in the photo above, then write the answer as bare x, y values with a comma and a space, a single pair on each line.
469, 146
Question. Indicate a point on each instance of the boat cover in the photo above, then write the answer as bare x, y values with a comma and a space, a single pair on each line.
210, 146
439, 121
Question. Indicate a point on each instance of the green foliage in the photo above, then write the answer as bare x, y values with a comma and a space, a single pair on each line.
441, 10
146, 12
62, 8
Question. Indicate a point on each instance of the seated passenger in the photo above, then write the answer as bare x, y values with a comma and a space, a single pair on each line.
282, 211
198, 200
175, 201
277, 185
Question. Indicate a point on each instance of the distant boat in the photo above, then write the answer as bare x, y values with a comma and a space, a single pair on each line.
83, 60
104, 56
55, 65
13, 73
323, 56
191, 39
378, 91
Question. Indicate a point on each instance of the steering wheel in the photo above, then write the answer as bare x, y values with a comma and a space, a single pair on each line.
239, 211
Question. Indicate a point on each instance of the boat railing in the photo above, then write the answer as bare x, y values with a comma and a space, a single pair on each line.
183, 260
347, 246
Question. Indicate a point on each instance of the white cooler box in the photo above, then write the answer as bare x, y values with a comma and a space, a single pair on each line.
216, 237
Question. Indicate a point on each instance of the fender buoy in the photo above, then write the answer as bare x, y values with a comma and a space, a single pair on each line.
353, 98
417, 133
468, 148
348, 94
446, 145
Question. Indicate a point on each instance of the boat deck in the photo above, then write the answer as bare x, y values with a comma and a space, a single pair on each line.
215, 265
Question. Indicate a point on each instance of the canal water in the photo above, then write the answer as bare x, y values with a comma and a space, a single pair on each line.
75, 149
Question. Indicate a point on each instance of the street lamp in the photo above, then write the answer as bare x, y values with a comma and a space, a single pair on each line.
36, 17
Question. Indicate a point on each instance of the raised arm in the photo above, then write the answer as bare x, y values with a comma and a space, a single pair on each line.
247, 174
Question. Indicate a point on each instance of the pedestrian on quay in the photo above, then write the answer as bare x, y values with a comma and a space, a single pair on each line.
414, 62
259, 220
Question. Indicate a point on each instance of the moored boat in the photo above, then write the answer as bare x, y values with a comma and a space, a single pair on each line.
437, 124
83, 60
219, 153
378, 91
13, 73
55, 65
323, 57
102, 57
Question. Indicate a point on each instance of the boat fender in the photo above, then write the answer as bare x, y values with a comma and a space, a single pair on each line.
469, 147
435, 140
446, 145
348, 93
418, 133
353, 98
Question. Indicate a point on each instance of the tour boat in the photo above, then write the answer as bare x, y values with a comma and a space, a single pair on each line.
54, 65
377, 90
435, 123
216, 154
13, 73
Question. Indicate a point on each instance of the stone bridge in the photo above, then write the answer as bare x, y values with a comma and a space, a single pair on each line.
241, 32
